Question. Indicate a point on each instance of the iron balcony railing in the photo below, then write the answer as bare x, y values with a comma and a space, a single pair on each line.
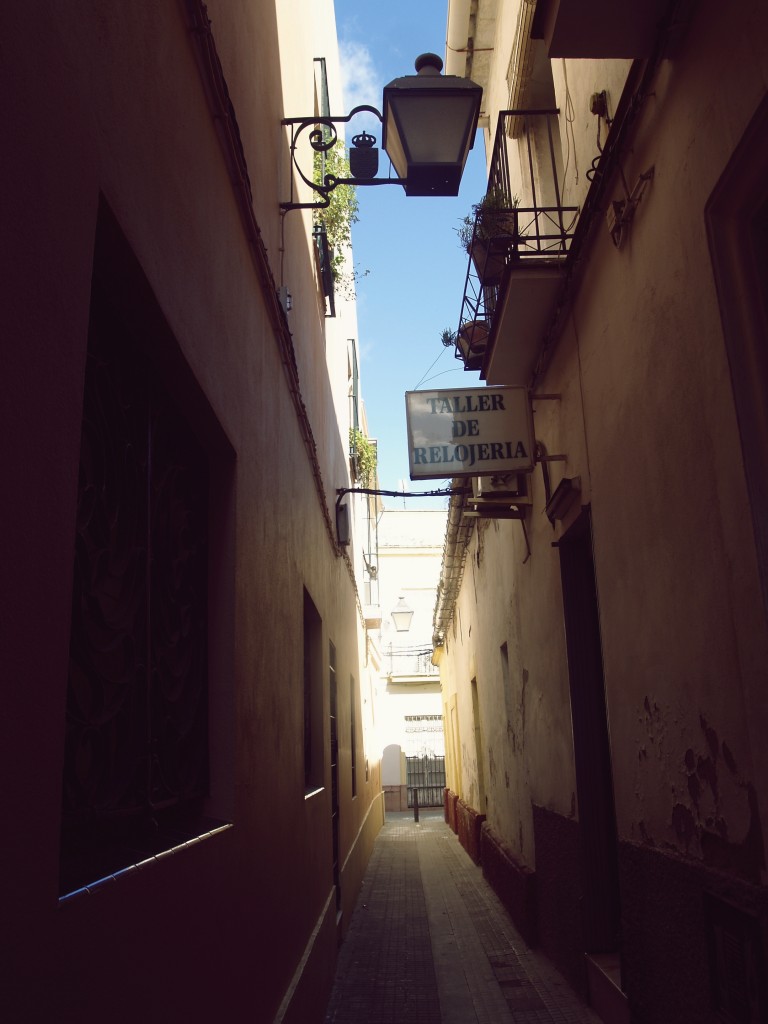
410, 662
513, 228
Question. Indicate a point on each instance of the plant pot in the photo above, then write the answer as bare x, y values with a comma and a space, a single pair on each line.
472, 342
489, 259
495, 241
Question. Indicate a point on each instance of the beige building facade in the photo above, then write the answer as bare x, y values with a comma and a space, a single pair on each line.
602, 634
408, 705
189, 797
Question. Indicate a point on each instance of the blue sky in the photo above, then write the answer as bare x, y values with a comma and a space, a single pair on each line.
416, 268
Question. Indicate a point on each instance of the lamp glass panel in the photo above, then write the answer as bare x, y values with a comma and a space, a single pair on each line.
394, 146
428, 130
402, 621
401, 616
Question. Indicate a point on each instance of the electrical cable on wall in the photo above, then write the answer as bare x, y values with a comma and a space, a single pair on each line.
570, 117
598, 105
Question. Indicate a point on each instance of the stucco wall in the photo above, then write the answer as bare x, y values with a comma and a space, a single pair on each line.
676, 575
525, 726
112, 103
646, 419
646, 413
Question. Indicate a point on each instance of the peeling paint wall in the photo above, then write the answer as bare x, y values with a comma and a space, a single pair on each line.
523, 706
646, 420
713, 808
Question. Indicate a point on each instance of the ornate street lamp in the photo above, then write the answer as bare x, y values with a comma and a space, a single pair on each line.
429, 125
401, 615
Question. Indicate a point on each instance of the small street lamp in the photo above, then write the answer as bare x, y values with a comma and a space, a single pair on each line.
401, 615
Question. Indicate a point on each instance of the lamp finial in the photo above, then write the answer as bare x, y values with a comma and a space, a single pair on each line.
428, 64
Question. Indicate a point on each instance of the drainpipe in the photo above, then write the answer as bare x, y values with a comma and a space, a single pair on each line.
458, 530
457, 58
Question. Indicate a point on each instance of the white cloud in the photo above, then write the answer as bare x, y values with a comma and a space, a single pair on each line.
359, 79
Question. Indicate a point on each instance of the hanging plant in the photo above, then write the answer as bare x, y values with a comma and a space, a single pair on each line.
338, 217
364, 456
493, 216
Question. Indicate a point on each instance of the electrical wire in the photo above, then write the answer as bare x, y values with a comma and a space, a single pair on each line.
570, 117
433, 363
596, 162
426, 380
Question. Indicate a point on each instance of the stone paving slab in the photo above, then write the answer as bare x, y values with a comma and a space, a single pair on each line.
430, 943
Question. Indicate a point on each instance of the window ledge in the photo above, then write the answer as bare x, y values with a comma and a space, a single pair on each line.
131, 869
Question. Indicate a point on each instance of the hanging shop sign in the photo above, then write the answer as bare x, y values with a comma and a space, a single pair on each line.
469, 432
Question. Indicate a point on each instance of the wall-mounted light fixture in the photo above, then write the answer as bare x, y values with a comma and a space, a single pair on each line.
428, 127
401, 615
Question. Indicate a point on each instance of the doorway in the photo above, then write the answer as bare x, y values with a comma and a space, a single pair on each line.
335, 807
591, 741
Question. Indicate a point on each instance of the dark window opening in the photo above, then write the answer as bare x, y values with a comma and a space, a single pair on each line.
313, 696
353, 731
136, 750
335, 805
149, 751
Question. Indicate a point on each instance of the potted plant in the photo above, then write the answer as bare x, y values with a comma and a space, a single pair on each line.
363, 454
490, 234
472, 342
336, 221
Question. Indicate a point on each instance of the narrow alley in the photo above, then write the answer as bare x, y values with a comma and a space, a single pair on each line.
323, 498
430, 943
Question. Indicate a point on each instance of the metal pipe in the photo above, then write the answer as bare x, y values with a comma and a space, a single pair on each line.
457, 37
520, 62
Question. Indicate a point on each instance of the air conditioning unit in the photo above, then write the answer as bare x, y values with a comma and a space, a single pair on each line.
501, 488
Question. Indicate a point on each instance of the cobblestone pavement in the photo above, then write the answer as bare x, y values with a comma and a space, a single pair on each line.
430, 943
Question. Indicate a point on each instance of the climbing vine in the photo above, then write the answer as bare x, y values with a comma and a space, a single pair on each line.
338, 217
363, 451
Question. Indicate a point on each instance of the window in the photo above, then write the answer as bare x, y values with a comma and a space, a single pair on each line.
335, 803
424, 735
353, 731
479, 748
737, 225
313, 696
137, 760
509, 704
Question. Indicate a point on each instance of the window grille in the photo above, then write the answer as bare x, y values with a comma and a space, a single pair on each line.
136, 742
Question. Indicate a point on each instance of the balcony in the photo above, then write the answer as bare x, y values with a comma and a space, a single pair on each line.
599, 28
518, 251
410, 665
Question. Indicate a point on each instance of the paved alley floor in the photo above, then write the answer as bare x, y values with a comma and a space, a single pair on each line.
430, 943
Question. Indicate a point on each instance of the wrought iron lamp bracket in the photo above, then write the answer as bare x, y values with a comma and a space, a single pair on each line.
322, 138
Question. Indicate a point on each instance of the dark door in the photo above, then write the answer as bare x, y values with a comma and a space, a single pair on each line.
594, 781
335, 775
